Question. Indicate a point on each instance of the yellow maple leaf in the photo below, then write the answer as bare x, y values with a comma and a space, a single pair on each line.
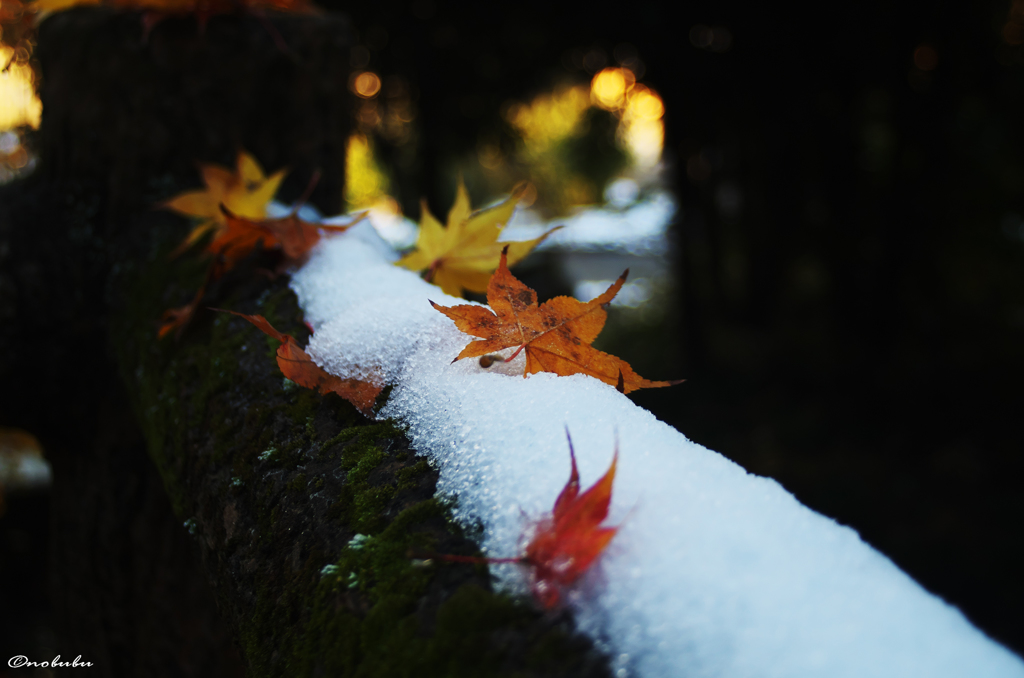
464, 254
245, 192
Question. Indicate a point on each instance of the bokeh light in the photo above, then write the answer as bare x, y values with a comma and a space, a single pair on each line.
365, 84
551, 129
22, 465
14, 157
366, 184
563, 138
639, 109
549, 117
609, 88
489, 155
642, 129
399, 111
19, 107
19, 104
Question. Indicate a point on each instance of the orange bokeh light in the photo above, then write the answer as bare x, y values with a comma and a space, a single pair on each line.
365, 84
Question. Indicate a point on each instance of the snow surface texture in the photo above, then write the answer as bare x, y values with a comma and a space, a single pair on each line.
634, 227
715, 572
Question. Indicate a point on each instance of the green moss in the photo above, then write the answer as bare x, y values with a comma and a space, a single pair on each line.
298, 483
389, 641
407, 476
202, 415
361, 503
379, 643
346, 434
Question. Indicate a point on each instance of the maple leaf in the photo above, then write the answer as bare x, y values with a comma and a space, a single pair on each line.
245, 192
236, 240
464, 254
293, 236
564, 544
555, 335
296, 365
176, 319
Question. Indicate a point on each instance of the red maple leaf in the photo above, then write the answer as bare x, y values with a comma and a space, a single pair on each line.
568, 541
565, 543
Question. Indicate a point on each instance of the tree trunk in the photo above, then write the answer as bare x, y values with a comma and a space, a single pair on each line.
206, 512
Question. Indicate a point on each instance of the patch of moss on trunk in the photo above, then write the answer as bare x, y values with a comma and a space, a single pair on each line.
308, 515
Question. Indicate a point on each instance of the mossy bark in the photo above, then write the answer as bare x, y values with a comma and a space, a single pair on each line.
190, 471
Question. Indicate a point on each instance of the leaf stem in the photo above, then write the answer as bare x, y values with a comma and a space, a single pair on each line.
512, 357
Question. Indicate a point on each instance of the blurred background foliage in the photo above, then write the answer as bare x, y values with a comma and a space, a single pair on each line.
843, 284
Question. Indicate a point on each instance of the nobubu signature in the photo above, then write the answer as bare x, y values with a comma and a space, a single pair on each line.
21, 661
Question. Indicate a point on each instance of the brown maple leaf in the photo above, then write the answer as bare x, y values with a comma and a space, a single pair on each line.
176, 319
555, 335
296, 365
236, 240
290, 234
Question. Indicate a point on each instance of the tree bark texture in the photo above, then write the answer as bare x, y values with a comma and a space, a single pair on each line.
208, 516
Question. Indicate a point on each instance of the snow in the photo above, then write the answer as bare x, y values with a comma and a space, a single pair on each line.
639, 227
393, 228
714, 572
24, 471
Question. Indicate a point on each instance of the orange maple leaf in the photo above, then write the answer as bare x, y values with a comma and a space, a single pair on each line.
232, 244
236, 240
296, 365
246, 191
555, 335
566, 542
176, 319
293, 236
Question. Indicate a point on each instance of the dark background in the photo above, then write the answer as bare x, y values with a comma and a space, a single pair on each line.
852, 324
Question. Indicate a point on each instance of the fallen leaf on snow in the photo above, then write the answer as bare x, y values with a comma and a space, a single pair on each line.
564, 544
556, 335
465, 253
296, 365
